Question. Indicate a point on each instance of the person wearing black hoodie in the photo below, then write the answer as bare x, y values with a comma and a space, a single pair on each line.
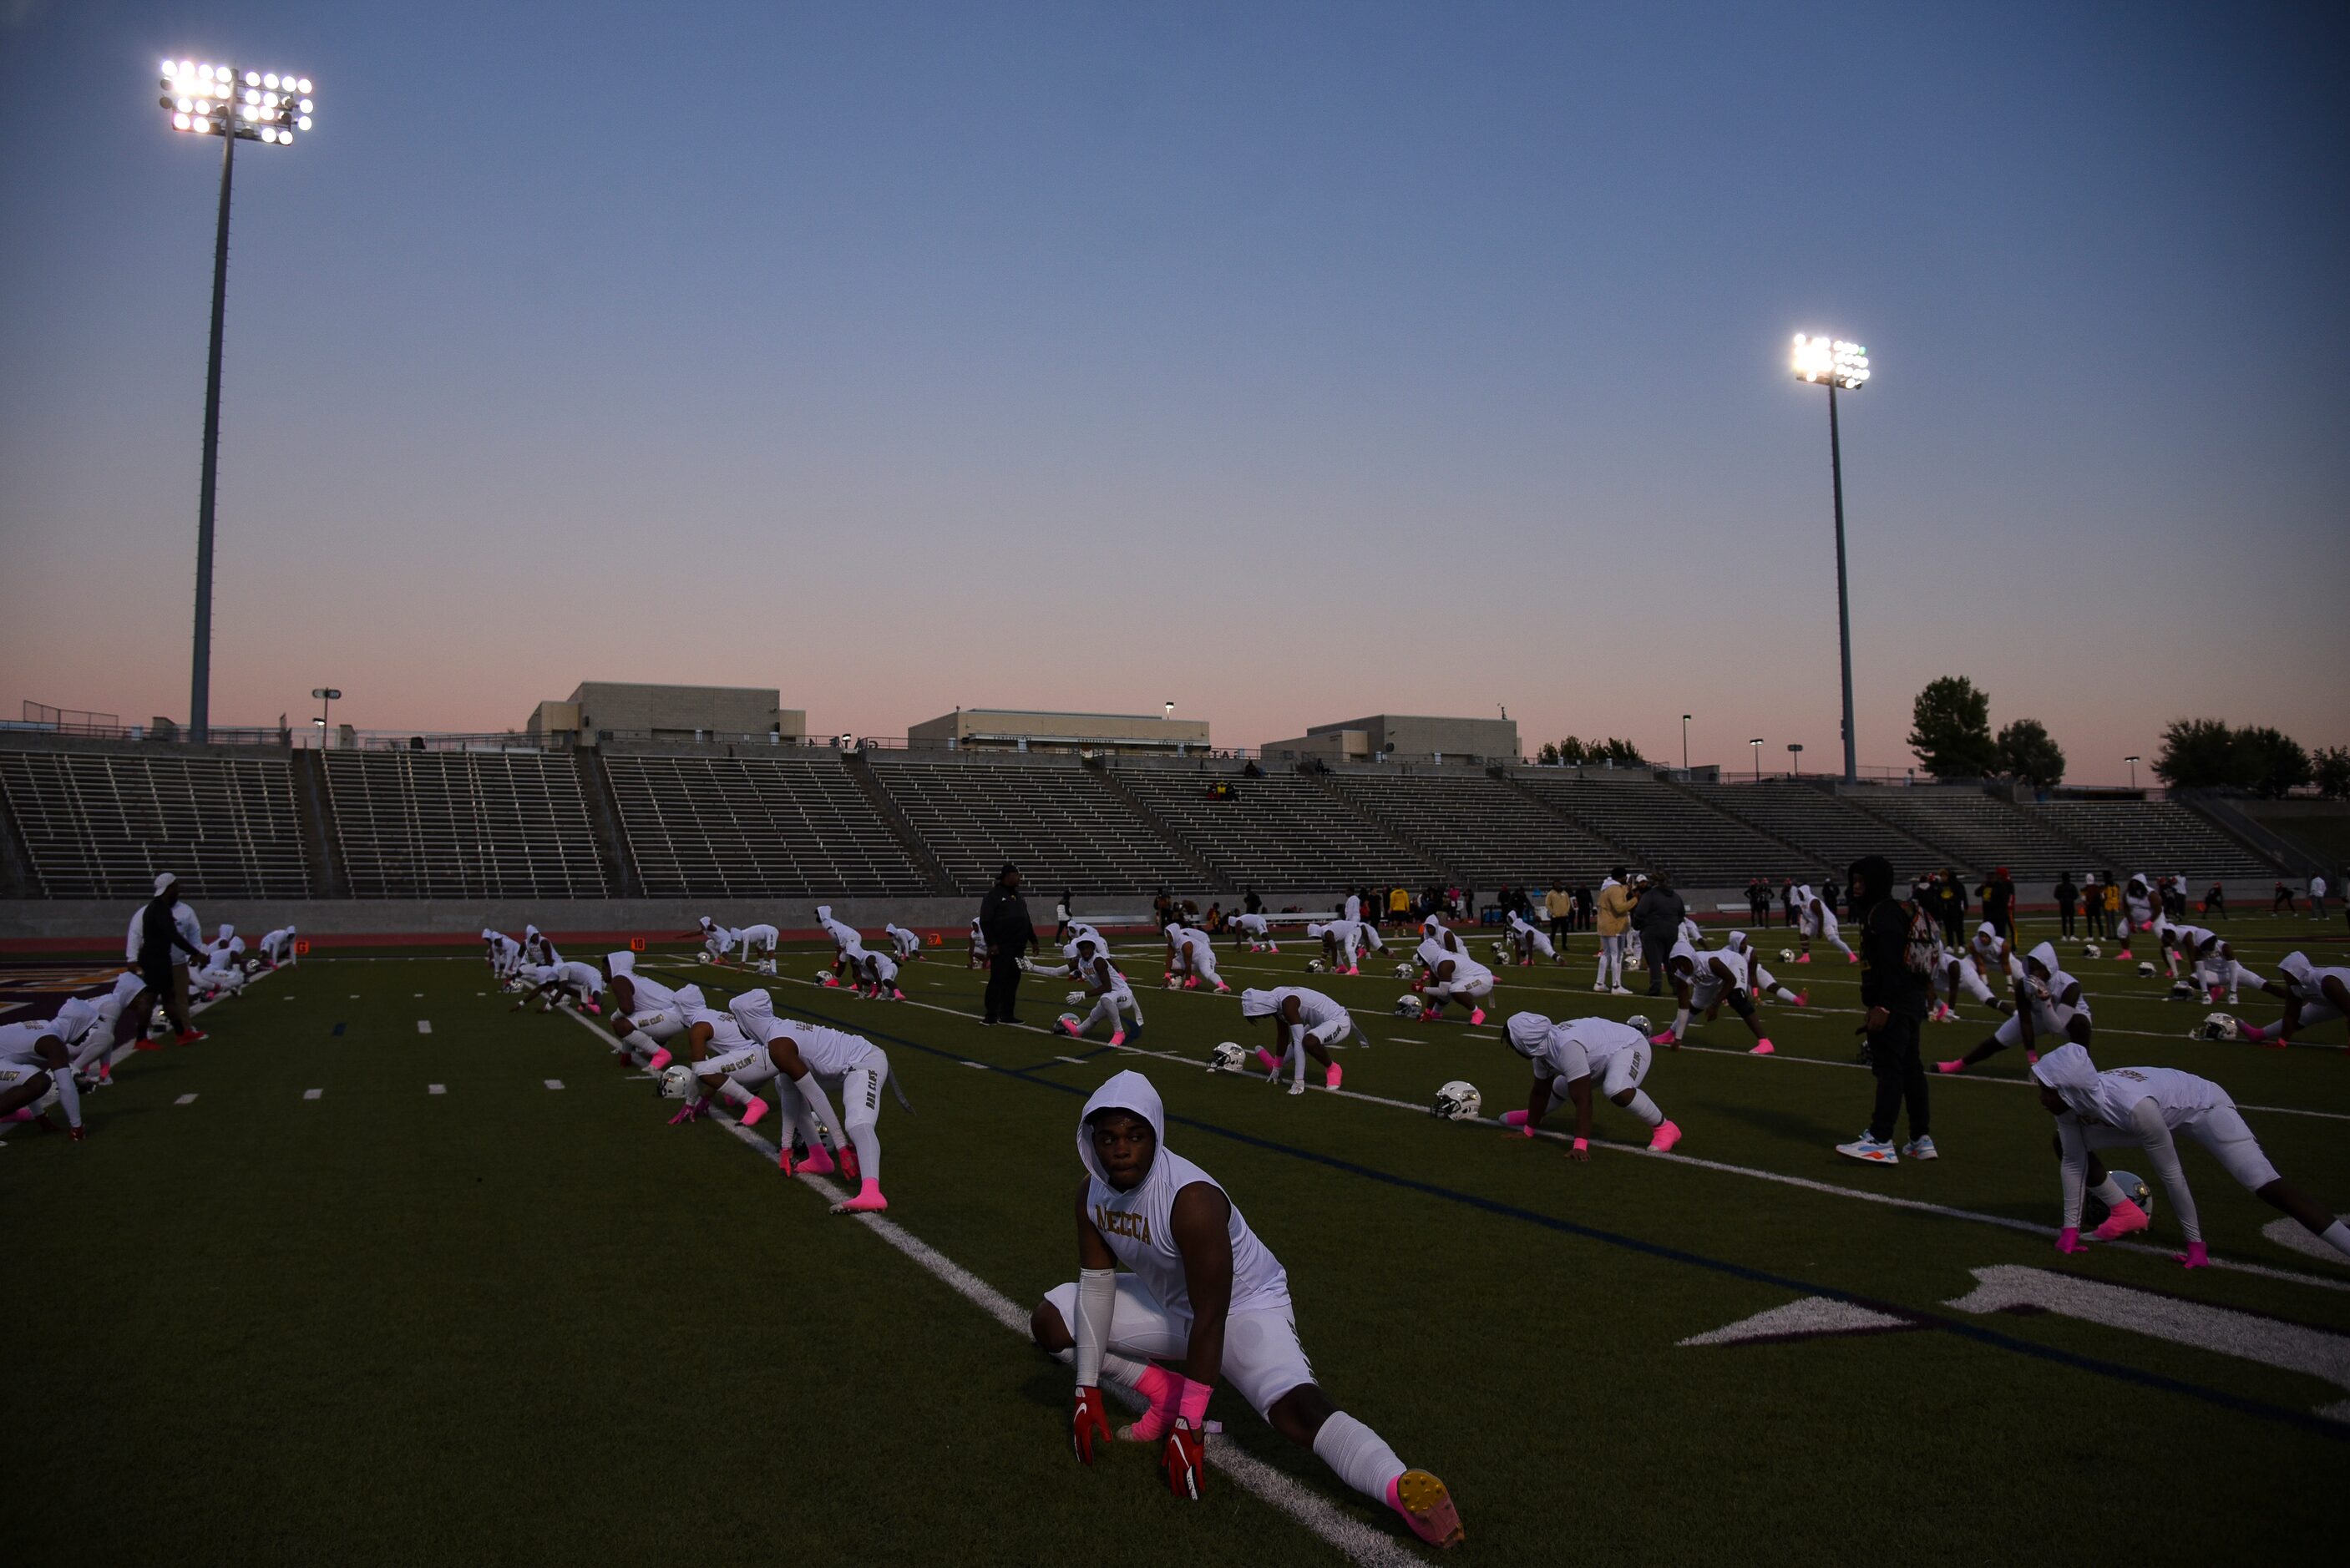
1657, 916
1004, 921
1895, 990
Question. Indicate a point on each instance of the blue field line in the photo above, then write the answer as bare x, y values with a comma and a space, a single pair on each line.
339, 1030
2302, 1419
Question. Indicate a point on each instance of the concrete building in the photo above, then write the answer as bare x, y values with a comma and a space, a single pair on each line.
667, 712
1026, 729
1401, 737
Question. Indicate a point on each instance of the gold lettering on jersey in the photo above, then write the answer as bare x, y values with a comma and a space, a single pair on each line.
1111, 1222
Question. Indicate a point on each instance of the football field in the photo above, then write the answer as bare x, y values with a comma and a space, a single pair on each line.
385, 1272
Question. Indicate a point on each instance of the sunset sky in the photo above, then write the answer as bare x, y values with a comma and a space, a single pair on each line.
1289, 362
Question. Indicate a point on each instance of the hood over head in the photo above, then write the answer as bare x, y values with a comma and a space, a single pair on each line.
2298, 966
226, 931
1258, 1004
2069, 1071
75, 1018
164, 883
822, 913
1870, 877
1735, 942
1526, 1033
755, 1012
689, 998
622, 963
1126, 1091
488, 935
2045, 955
1315, 927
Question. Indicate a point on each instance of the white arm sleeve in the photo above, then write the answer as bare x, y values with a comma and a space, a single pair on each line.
819, 1104
1096, 1297
2073, 1168
1058, 968
2146, 1120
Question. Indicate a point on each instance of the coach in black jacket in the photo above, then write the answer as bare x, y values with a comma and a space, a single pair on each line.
1004, 921
1895, 994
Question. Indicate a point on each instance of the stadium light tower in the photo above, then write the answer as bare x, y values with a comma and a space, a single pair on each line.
267, 107
1757, 744
1835, 363
2133, 761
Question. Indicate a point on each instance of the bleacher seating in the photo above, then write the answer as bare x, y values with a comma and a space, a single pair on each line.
755, 826
1058, 822
1282, 830
1480, 829
463, 825
1833, 831
102, 825
2159, 838
1975, 833
1664, 829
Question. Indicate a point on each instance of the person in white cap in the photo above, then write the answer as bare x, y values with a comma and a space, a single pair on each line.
1527, 940
908, 945
1305, 1024
1567, 1058
1203, 1295
163, 937
1815, 919
2147, 1105
1450, 976
1105, 985
1256, 933
2053, 1006
1192, 957
2310, 995
277, 946
1705, 980
503, 954
978, 950
758, 944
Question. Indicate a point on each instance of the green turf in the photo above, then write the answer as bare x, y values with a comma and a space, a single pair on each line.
510, 1324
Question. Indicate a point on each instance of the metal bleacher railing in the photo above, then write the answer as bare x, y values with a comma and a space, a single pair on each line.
748, 825
1054, 819
99, 824
463, 825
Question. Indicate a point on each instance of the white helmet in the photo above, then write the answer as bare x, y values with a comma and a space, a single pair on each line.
2216, 1026
1500, 950
676, 1081
1407, 1005
1313, 966
1640, 1021
1457, 1102
1226, 1057
1068, 1022
1174, 981
1407, 971
2180, 990
1786, 955
2145, 969
2091, 949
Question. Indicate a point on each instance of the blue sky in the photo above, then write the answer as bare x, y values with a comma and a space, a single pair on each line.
1286, 361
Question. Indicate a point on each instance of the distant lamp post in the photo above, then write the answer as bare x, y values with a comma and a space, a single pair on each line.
1171, 710
1835, 363
1757, 744
267, 107
1796, 757
326, 696
2133, 761
1685, 718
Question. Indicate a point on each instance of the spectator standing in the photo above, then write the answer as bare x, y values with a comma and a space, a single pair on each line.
1893, 986
1951, 907
1998, 896
2317, 898
1657, 915
1787, 902
1398, 906
1558, 904
1251, 903
1829, 893
161, 932
1061, 913
2068, 900
1004, 921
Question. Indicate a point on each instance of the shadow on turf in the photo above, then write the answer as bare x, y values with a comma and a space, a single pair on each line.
1796, 1126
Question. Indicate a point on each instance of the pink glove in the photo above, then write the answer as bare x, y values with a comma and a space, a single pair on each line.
2068, 1241
2195, 1257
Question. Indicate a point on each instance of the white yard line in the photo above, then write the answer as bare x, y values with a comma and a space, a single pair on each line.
312, 1094
1358, 1541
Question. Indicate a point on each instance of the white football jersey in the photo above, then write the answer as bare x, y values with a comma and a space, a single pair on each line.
1594, 1039
1433, 952
17, 1040
726, 1034
1314, 1009
2181, 1097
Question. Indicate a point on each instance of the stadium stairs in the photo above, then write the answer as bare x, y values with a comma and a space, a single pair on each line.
604, 820
1208, 876
1518, 785
322, 844
893, 817
1399, 831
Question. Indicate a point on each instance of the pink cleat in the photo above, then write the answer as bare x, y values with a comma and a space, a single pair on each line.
831, 980
1803, 999
1802, 958
1429, 1015
1666, 1135
1666, 1038
1956, 1065
1476, 1016
1513, 1119
1272, 1062
1355, 971
1118, 1038
1852, 958
1427, 1507
1064, 1026
869, 1200
1763, 1048
2123, 956
753, 1112
2195, 1257
819, 1162
2127, 1219
1331, 1078
1191, 982
897, 995
1223, 989
596, 1008
658, 1060
2031, 1058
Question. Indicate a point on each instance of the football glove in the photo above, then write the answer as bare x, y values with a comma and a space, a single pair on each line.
1088, 1426
1184, 1461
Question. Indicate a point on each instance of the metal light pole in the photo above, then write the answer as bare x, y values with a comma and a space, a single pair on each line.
326, 696
1796, 757
2133, 761
1685, 718
1757, 744
1838, 364
248, 105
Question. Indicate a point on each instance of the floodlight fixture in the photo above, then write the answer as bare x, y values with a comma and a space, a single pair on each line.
1822, 362
201, 98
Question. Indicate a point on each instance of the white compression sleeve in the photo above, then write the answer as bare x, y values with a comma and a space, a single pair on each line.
1644, 1108
69, 1093
2072, 1169
2146, 1120
819, 1104
1096, 1300
1359, 1456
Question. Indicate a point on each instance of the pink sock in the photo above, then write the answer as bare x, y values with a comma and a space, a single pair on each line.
1513, 1119
1164, 1390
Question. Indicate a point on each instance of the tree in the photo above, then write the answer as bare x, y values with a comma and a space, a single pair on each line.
2332, 771
1548, 756
2027, 751
2197, 753
1623, 753
1951, 730
2270, 760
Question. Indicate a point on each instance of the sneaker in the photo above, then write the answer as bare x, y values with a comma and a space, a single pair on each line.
1598, 988
869, 1200
1334, 1077
1868, 1150
753, 1112
1296, 1085
1763, 1048
1852, 958
1476, 1016
1427, 1507
2123, 956
1803, 999
1802, 958
2125, 1219
1667, 1038
1666, 1135
1957, 1065
1920, 1149
1621, 990
190, 1036
818, 1161
1118, 1037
